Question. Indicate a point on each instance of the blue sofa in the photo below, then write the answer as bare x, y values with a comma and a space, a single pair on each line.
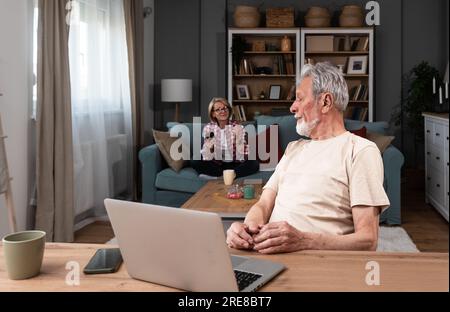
163, 186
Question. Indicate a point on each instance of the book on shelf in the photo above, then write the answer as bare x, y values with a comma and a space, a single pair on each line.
356, 113
365, 96
365, 46
359, 113
355, 43
348, 114
276, 66
359, 93
236, 113
281, 65
351, 93
363, 115
289, 64
356, 94
242, 111
246, 67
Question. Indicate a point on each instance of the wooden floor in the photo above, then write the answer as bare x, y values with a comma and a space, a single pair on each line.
427, 228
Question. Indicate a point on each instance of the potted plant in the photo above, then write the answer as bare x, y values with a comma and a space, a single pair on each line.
418, 98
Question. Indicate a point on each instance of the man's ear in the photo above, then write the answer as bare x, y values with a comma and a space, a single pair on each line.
327, 102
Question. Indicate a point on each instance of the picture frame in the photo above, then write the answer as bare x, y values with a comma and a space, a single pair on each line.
357, 65
275, 92
242, 92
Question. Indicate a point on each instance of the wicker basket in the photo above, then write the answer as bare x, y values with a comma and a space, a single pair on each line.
246, 16
280, 17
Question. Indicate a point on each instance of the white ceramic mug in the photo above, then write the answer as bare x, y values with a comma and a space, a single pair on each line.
228, 177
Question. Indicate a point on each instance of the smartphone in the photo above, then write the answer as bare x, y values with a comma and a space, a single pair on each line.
104, 261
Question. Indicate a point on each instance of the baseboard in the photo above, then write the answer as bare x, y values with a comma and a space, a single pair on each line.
88, 221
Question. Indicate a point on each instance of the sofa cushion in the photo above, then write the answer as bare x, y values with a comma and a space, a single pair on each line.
164, 142
382, 141
360, 132
380, 127
286, 130
186, 180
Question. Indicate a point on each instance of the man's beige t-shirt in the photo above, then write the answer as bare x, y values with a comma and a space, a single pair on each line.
319, 181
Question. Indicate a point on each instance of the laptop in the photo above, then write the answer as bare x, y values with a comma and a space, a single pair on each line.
183, 249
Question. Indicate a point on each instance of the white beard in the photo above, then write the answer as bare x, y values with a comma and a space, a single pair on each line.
305, 128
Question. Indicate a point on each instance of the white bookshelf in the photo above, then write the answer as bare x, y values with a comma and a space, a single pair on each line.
262, 82
339, 55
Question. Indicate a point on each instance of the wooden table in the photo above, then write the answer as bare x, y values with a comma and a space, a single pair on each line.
212, 198
306, 271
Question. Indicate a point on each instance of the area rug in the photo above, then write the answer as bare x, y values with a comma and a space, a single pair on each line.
395, 239
391, 239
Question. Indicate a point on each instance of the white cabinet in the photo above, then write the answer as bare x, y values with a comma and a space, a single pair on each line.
436, 161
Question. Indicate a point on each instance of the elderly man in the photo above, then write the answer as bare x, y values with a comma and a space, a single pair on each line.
327, 192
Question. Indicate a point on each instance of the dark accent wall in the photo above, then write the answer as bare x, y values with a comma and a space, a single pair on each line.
190, 42
213, 52
425, 38
177, 54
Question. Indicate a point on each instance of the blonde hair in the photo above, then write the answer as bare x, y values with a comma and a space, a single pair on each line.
224, 102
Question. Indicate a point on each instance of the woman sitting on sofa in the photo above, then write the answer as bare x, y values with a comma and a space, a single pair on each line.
225, 146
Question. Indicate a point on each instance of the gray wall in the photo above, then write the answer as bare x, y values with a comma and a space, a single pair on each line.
177, 54
425, 38
213, 53
410, 31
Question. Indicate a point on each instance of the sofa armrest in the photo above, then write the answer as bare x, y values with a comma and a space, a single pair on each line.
393, 161
152, 163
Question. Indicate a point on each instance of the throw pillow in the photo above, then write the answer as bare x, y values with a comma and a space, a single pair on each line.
382, 141
164, 141
360, 132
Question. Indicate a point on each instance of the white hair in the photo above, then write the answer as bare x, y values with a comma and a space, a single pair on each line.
327, 78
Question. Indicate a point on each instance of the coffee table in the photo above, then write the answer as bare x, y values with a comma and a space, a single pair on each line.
212, 198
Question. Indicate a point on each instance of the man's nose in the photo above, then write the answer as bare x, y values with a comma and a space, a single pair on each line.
294, 108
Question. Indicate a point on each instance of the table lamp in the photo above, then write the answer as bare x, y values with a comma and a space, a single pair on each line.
176, 91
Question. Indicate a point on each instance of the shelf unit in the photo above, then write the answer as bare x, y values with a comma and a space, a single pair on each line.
361, 107
272, 59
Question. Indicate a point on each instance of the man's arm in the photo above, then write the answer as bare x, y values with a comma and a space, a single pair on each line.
261, 211
366, 220
282, 237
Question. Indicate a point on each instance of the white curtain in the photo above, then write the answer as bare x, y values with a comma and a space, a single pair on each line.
101, 105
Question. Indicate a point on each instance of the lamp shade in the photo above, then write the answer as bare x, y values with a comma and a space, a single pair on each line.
176, 90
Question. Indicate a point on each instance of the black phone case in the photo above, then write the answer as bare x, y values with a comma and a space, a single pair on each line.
92, 268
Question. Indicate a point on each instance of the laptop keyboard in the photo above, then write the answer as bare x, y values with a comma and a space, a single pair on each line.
245, 278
